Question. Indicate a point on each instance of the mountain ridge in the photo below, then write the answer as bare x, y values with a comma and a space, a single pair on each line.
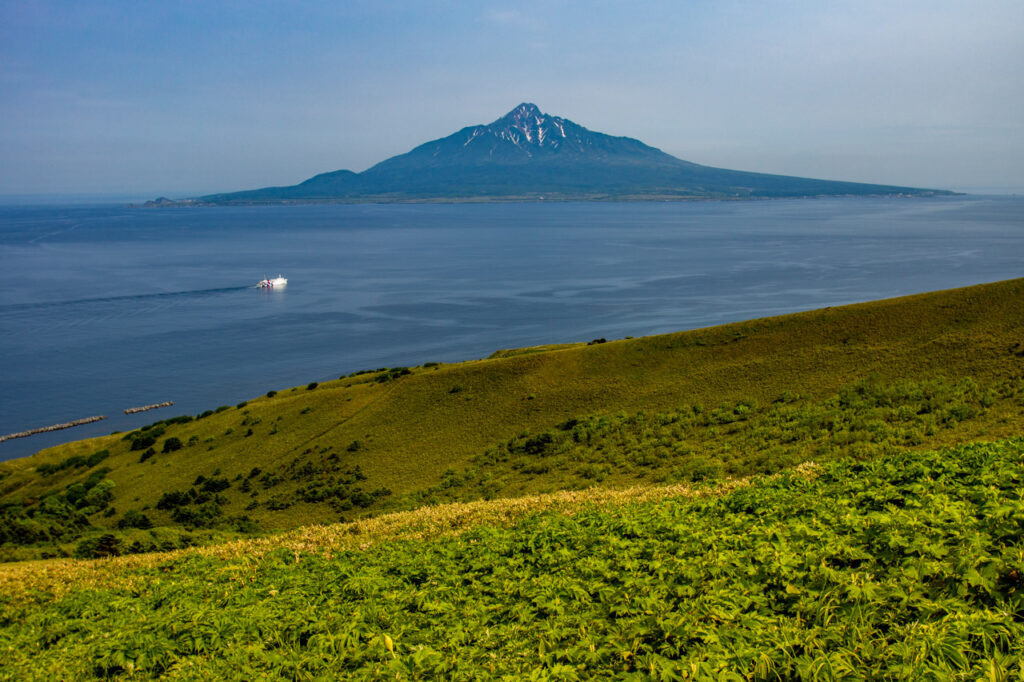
531, 155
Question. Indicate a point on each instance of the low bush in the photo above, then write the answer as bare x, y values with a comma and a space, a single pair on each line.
902, 568
105, 545
134, 519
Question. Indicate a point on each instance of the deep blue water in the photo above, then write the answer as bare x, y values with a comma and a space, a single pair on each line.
104, 308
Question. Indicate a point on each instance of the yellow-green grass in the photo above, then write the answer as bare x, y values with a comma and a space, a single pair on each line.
56, 576
413, 428
904, 567
529, 350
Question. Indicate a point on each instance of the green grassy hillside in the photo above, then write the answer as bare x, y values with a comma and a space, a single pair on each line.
902, 567
751, 397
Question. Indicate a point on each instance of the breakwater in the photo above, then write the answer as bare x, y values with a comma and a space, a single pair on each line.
146, 408
54, 427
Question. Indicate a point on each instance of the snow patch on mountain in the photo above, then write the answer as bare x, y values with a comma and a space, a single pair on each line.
527, 128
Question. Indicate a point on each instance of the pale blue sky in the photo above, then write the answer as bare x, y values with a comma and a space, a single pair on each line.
179, 98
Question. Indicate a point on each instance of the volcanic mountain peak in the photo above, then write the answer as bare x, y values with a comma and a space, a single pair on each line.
528, 125
525, 129
527, 134
527, 153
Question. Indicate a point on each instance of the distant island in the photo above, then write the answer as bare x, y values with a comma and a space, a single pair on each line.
527, 155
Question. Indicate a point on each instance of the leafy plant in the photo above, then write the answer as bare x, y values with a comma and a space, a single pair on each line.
901, 567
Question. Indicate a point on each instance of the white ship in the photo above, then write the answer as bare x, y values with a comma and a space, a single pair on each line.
278, 281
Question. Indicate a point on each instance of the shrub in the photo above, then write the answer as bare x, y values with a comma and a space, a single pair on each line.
134, 519
538, 444
278, 503
146, 455
143, 443
361, 499
103, 546
75, 461
700, 468
243, 524
172, 444
215, 485
271, 394
172, 500
96, 457
392, 374
311, 385
203, 516
593, 471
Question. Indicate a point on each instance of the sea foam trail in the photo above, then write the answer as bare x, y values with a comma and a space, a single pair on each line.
127, 297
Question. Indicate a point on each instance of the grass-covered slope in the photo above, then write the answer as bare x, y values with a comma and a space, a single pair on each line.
902, 567
751, 397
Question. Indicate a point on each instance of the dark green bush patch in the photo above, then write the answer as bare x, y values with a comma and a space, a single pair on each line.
74, 462
134, 519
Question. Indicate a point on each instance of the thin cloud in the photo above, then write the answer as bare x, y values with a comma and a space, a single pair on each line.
515, 19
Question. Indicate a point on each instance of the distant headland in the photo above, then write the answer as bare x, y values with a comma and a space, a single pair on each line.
527, 155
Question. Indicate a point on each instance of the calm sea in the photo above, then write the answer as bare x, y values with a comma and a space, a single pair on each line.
104, 308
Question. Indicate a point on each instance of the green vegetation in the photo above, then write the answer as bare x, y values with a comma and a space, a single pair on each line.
691, 443
766, 501
754, 397
908, 566
76, 461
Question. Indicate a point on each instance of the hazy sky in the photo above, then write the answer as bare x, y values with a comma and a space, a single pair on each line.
180, 98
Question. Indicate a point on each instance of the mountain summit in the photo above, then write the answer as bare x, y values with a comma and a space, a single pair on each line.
530, 130
529, 155
526, 133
